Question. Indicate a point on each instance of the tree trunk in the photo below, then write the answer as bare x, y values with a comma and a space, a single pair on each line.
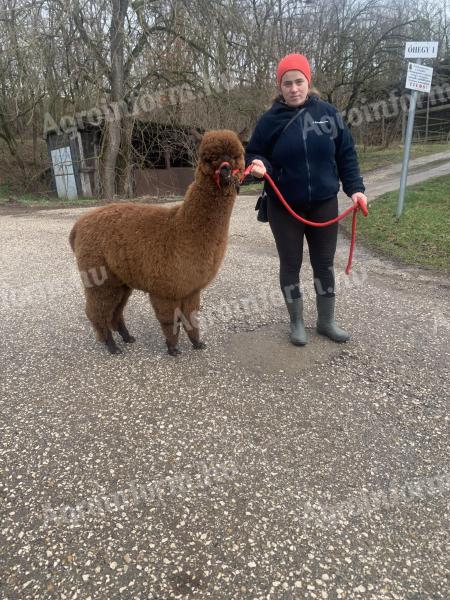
124, 165
114, 128
110, 154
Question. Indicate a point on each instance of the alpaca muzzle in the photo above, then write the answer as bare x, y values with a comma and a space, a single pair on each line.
225, 173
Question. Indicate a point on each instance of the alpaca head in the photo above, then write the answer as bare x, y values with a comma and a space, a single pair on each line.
221, 151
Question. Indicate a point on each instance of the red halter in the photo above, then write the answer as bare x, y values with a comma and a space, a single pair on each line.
225, 163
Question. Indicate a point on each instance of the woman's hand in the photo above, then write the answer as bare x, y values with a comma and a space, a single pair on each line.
361, 199
259, 169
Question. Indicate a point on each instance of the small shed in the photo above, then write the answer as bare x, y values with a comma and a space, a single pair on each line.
161, 160
74, 158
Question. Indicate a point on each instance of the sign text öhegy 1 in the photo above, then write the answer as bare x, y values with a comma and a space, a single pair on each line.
421, 49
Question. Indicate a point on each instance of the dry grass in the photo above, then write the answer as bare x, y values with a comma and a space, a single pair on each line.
34, 177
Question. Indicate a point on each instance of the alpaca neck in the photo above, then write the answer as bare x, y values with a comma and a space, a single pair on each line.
207, 207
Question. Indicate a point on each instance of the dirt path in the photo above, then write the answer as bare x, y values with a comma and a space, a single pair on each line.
420, 169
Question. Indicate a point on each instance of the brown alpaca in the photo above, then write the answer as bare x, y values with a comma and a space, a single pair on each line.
171, 253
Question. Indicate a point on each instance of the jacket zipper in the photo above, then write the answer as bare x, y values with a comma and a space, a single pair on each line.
307, 166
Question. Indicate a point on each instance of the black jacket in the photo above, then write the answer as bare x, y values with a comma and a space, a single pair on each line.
307, 159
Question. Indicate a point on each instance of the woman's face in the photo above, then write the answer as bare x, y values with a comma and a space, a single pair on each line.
294, 88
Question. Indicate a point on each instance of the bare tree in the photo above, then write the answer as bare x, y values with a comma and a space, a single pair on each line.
61, 57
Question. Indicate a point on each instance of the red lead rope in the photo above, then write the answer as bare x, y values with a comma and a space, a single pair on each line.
360, 206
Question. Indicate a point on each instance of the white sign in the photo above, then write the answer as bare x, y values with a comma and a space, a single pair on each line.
419, 77
421, 49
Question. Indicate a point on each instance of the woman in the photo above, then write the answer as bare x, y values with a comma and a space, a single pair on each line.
304, 145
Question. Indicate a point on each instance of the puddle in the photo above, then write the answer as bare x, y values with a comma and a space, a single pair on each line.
268, 350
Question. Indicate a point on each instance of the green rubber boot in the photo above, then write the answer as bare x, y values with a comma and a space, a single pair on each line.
326, 325
298, 335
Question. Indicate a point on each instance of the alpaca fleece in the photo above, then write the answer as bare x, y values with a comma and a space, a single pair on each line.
171, 253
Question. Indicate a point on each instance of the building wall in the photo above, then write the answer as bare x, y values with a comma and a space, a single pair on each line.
163, 182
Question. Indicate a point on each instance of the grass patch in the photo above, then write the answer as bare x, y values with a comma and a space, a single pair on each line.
252, 188
421, 235
8, 197
375, 157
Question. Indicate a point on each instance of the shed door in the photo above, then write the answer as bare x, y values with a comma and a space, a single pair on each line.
64, 176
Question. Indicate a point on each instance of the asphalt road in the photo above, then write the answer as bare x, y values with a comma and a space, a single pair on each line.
250, 470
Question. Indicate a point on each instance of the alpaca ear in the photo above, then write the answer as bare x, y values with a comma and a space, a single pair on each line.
243, 135
196, 135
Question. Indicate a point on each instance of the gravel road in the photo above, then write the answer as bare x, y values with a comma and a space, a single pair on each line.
250, 470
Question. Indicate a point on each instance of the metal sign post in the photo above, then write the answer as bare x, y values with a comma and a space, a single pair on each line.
418, 79
406, 150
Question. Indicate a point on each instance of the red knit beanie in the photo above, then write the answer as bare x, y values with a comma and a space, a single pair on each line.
294, 62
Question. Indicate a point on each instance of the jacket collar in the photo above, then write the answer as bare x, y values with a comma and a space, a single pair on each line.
280, 105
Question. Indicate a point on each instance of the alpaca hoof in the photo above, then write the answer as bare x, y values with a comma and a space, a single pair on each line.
198, 345
173, 351
125, 334
114, 349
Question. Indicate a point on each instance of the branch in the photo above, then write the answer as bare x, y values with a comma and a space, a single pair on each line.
78, 20
146, 31
140, 45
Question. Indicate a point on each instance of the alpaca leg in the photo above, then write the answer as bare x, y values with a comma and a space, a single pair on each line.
100, 305
124, 333
190, 307
118, 323
111, 344
166, 312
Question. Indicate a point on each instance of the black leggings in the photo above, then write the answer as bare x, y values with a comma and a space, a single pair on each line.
288, 233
